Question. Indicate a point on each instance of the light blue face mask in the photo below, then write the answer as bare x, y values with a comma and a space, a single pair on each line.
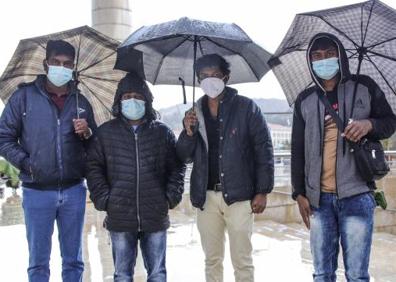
58, 75
327, 68
133, 109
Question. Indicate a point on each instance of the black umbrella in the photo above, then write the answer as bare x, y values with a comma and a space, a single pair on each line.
367, 31
169, 51
95, 58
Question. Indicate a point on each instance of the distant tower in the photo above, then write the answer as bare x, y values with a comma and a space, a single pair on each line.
112, 17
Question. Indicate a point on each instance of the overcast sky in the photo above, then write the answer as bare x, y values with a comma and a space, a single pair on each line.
266, 25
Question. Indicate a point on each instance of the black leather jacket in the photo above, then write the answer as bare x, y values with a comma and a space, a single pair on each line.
246, 162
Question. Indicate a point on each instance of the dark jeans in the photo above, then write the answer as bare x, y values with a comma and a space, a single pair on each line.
125, 249
347, 221
42, 209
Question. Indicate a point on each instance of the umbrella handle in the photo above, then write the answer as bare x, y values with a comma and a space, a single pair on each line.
183, 84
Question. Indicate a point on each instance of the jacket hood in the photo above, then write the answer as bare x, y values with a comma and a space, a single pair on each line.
343, 58
132, 83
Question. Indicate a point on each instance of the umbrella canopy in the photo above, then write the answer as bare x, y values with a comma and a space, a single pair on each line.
169, 51
367, 31
95, 58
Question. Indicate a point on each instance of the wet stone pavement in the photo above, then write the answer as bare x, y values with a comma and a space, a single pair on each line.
281, 252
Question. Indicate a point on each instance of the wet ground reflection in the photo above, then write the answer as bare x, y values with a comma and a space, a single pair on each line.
281, 252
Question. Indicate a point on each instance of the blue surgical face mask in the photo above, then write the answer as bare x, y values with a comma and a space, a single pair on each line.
327, 68
133, 109
58, 75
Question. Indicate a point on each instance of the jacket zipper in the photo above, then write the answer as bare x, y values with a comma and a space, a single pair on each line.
137, 181
59, 151
58, 137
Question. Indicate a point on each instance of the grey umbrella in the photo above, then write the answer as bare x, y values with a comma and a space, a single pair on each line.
169, 51
95, 58
367, 31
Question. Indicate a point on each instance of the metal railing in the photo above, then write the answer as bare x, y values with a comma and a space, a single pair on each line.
282, 167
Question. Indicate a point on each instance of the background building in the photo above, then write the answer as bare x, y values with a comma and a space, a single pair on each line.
112, 17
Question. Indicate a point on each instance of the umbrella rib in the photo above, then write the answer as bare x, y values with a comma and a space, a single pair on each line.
99, 78
228, 49
135, 44
17, 75
221, 45
164, 56
368, 22
382, 42
100, 101
382, 55
353, 54
337, 29
200, 47
382, 75
78, 52
361, 25
39, 44
98, 62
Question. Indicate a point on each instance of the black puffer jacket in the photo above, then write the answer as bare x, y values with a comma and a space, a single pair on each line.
246, 160
135, 177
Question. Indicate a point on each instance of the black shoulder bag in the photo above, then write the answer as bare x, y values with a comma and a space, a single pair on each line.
369, 154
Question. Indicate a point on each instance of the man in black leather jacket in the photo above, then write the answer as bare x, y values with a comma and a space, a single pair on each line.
135, 176
227, 139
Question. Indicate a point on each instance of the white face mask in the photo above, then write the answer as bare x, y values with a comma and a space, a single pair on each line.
212, 86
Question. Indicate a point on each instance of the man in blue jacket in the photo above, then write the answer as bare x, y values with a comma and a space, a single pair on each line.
233, 168
41, 136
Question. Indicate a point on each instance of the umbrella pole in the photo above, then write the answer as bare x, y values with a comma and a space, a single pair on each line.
76, 75
356, 82
346, 121
194, 74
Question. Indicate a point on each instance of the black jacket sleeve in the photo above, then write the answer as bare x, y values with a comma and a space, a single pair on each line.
262, 150
11, 124
175, 173
298, 152
185, 146
382, 117
96, 175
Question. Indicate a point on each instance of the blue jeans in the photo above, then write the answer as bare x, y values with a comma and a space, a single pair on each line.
125, 248
42, 209
347, 221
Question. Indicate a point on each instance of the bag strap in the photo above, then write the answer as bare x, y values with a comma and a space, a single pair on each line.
332, 112
335, 116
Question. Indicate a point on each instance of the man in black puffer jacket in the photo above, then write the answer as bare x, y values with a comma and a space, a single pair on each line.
134, 175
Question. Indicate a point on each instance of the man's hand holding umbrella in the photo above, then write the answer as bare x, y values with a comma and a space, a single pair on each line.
81, 128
